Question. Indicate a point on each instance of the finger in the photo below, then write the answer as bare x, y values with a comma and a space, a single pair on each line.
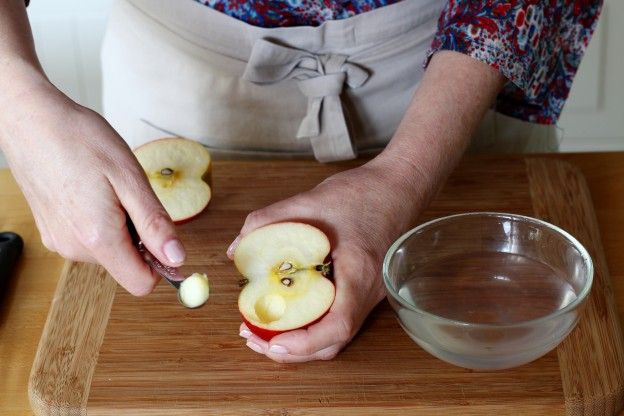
152, 222
287, 209
258, 218
116, 253
323, 355
232, 248
261, 346
337, 327
254, 220
333, 329
244, 331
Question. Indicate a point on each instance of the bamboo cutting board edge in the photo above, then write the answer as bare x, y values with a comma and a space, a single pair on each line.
60, 378
53, 391
583, 383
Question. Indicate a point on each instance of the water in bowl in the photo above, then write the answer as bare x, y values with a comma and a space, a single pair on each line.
488, 288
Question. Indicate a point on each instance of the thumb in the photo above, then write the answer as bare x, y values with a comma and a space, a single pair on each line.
152, 222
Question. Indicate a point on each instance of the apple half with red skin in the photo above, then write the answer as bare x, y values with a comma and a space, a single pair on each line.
285, 287
179, 172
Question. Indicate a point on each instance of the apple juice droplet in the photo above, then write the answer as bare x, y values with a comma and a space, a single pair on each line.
488, 288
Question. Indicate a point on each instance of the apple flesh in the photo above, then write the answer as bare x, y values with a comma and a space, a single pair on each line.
179, 172
285, 287
194, 290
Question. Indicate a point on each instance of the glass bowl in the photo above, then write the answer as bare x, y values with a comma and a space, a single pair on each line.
487, 291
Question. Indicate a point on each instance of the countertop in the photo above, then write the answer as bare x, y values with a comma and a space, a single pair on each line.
24, 307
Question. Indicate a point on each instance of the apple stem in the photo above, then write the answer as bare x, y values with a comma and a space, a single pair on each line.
325, 269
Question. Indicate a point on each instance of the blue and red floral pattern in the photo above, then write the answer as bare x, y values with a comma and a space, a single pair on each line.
281, 13
536, 44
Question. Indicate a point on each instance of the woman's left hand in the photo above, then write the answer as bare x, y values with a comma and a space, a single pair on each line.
362, 211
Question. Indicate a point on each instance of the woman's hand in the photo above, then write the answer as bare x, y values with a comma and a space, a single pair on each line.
365, 209
80, 178
78, 175
362, 211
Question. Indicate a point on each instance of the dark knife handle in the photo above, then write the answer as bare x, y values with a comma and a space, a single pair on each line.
11, 246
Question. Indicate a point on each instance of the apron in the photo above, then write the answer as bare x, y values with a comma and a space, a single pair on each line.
336, 91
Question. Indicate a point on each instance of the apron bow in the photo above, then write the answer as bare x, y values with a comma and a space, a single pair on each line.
321, 79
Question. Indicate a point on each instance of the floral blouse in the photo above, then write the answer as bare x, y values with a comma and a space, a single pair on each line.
536, 44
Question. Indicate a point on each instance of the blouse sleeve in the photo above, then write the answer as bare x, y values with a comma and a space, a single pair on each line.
536, 44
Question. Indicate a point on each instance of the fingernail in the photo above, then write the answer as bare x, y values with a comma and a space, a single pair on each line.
232, 247
245, 333
174, 251
257, 348
278, 349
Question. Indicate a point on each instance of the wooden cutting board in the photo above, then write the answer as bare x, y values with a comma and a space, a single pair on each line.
104, 352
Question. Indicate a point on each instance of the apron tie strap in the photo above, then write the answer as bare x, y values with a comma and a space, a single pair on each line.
321, 79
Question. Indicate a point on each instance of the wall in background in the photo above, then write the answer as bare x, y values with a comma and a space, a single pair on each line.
68, 34
593, 119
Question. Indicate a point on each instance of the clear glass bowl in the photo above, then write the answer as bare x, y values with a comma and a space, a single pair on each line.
487, 291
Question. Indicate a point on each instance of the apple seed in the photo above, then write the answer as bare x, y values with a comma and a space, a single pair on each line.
166, 172
285, 266
287, 281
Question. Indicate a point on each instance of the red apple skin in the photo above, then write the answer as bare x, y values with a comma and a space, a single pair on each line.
267, 334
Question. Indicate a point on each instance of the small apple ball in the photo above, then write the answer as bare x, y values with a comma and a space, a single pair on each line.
194, 290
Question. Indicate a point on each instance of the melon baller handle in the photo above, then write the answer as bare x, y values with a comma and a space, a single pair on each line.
170, 274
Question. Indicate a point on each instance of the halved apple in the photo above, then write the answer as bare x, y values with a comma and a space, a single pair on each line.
179, 172
285, 287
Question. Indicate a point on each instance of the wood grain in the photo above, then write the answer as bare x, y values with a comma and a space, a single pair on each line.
61, 374
157, 358
591, 358
25, 304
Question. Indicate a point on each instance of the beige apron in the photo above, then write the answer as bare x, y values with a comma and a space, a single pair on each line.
334, 91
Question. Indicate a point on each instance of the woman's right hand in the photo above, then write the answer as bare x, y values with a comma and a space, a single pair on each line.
80, 178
